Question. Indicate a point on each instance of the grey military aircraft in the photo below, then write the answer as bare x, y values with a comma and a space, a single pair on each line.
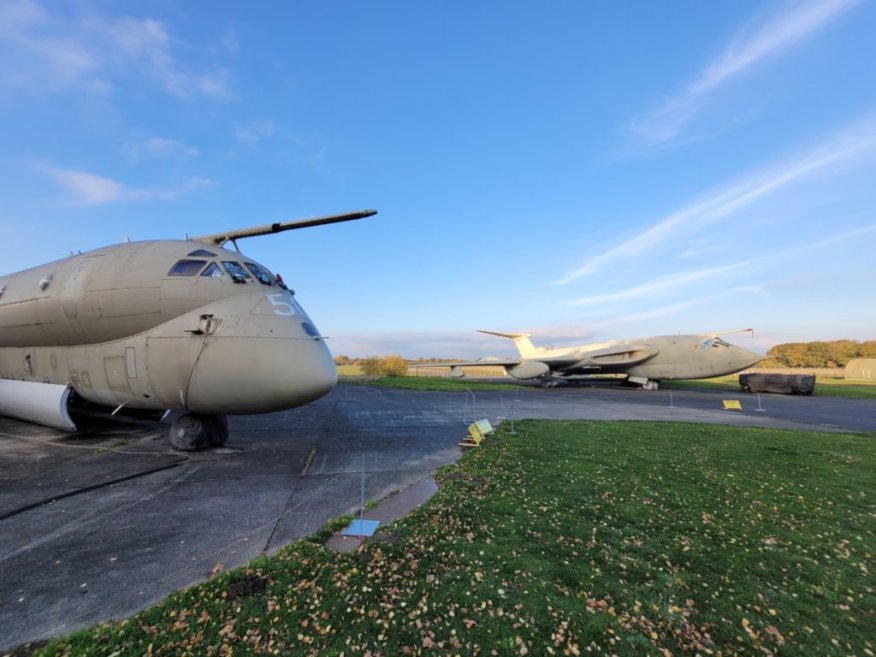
168, 325
646, 362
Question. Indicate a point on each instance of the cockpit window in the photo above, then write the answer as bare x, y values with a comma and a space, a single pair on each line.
238, 274
202, 253
186, 267
213, 271
263, 275
718, 342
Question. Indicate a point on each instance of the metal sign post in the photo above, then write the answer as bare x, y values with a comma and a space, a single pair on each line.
361, 527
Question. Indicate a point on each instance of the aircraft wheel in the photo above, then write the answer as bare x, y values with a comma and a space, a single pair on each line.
190, 432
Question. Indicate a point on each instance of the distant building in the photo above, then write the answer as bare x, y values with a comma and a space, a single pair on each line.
862, 369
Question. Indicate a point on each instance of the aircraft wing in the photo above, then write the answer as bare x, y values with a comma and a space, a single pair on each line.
218, 239
623, 355
499, 362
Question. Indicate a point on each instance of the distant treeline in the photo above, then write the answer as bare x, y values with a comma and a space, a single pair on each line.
355, 360
836, 353
392, 365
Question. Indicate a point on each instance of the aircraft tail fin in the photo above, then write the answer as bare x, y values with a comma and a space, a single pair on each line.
521, 341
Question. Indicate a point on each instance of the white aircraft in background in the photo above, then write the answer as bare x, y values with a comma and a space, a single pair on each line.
645, 361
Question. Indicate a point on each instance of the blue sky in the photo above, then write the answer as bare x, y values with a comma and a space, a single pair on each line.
583, 171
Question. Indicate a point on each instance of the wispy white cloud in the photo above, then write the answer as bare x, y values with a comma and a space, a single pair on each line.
664, 284
88, 188
853, 142
687, 304
821, 244
45, 52
160, 148
32, 53
699, 251
255, 132
265, 134
410, 344
20, 14
781, 32
171, 192
673, 283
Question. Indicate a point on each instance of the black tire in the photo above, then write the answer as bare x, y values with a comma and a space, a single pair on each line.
189, 433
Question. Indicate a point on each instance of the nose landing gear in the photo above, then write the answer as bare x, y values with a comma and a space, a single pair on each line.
190, 432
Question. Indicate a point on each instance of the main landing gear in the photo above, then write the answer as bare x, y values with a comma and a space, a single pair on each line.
190, 432
644, 383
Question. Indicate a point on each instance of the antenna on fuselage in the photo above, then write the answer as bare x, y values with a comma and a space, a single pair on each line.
220, 239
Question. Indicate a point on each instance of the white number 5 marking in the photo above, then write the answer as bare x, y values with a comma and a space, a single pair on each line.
281, 306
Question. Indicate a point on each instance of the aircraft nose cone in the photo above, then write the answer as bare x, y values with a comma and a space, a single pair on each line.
299, 372
261, 376
323, 374
743, 359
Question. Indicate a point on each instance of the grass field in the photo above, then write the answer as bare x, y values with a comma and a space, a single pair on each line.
571, 538
824, 387
427, 383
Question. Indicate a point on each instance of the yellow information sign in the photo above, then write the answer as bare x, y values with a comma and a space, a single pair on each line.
477, 431
732, 405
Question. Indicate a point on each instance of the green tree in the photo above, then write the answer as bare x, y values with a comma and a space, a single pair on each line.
393, 365
791, 354
836, 353
868, 349
816, 355
370, 365
840, 352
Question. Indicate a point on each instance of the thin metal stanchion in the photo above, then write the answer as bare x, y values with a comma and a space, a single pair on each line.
474, 407
361, 528
362, 492
759, 407
509, 417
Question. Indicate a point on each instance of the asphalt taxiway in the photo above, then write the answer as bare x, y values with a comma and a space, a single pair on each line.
96, 527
